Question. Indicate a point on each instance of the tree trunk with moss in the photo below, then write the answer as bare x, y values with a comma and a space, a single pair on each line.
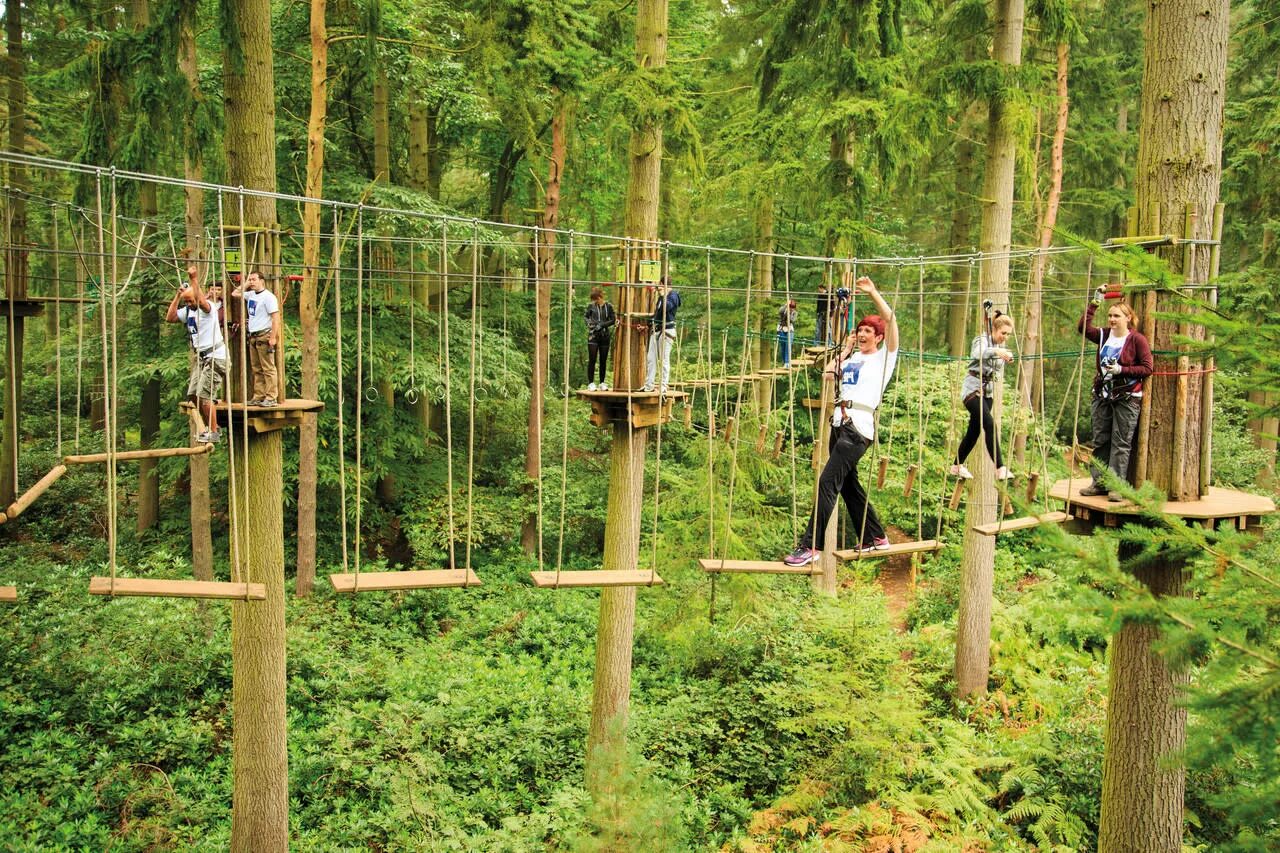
977, 568
15, 261
1178, 171
260, 797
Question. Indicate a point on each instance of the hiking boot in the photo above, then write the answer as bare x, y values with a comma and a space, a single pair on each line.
1093, 490
204, 437
256, 401
801, 557
960, 472
268, 402
1115, 497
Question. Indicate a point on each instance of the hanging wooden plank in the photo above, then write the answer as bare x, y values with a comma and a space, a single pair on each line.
39, 488
594, 578
1011, 524
8, 593
956, 494
385, 581
134, 455
149, 588
757, 567
911, 480
924, 546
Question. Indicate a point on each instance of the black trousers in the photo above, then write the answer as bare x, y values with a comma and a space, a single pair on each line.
597, 347
840, 478
977, 403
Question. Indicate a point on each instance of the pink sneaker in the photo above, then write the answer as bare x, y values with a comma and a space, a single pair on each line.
801, 557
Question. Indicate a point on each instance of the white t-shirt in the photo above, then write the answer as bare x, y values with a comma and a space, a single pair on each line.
862, 382
203, 329
259, 307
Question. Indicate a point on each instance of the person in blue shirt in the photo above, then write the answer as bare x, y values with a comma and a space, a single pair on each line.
663, 323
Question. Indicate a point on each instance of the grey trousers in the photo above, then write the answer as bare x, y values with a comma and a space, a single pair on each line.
1114, 425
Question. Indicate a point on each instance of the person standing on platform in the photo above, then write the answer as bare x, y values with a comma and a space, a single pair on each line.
1123, 361
201, 314
261, 320
822, 315
986, 367
663, 323
601, 319
786, 332
863, 369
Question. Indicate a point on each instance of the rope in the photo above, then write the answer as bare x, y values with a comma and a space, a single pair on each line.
657, 452
737, 408
791, 408
1075, 423
355, 587
564, 444
57, 331
471, 405
711, 449
448, 385
540, 359
80, 306
342, 444
106, 382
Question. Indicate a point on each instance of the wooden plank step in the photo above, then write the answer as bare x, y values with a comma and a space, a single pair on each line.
1009, 525
381, 581
757, 567
592, 578
8, 593
921, 547
133, 455
176, 588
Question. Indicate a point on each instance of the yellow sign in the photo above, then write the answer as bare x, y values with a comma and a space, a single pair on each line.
233, 260
650, 271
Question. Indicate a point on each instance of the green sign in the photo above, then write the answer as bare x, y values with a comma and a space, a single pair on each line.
650, 271
233, 260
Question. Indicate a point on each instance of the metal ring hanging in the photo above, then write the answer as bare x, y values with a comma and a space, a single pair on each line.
371, 394
411, 396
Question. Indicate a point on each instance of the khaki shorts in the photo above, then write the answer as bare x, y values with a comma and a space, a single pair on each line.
207, 378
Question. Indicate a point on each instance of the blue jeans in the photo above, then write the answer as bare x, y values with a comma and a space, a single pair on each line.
784, 348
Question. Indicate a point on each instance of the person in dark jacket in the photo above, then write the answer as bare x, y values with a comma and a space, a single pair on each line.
822, 315
1123, 362
786, 331
600, 318
986, 367
663, 323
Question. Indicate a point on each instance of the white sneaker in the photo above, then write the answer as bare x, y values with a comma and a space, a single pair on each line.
1003, 473
604, 386
591, 387
960, 471
647, 389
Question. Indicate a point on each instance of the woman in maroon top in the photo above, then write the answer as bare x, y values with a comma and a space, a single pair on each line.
1123, 362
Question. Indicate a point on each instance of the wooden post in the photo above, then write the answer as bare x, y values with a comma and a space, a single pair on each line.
762, 436
778, 438
956, 494
911, 480
729, 427
1032, 482
688, 415
882, 472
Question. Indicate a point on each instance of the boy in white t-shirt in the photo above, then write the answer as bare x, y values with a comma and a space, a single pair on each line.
863, 370
202, 316
261, 321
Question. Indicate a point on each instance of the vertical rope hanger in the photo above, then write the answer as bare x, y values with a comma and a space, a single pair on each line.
564, 429
657, 452
1075, 423
540, 359
11, 404
791, 405
342, 443
737, 409
448, 387
358, 533
471, 405
247, 573
234, 507
106, 378
711, 446
57, 328
80, 319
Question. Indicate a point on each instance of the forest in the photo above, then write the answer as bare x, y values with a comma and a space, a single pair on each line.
437, 585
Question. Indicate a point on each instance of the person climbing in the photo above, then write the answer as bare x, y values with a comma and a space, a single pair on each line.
262, 322
201, 314
1123, 361
786, 332
987, 359
600, 318
862, 369
663, 323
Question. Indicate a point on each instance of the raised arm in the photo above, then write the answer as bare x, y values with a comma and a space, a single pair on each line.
1090, 331
197, 295
867, 286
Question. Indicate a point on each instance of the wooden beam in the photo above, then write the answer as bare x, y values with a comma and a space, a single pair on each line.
146, 587
757, 567
384, 581
8, 593
601, 578
133, 455
924, 546
39, 488
1009, 525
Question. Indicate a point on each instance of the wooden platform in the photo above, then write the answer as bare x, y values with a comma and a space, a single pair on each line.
1242, 509
385, 581
22, 307
1009, 525
641, 408
149, 588
600, 578
8, 593
290, 413
924, 546
757, 567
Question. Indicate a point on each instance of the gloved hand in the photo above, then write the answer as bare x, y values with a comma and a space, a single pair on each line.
1113, 369
1098, 296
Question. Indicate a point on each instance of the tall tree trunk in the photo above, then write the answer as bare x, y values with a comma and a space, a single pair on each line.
383, 255
1029, 390
764, 244
611, 691
260, 797
15, 266
308, 310
1178, 171
422, 146
546, 264
973, 617
193, 219
961, 238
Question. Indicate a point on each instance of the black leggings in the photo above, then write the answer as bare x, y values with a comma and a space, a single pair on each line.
988, 428
597, 347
